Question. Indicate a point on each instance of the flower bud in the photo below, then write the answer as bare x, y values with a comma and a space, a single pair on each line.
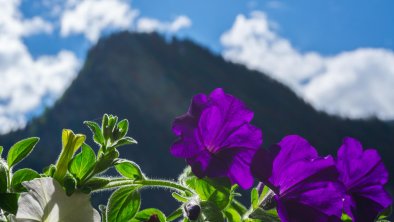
268, 202
192, 210
153, 218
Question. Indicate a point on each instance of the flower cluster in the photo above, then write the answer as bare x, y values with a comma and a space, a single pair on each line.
224, 151
217, 140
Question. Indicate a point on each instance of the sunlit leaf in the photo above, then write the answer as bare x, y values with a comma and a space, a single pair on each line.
3, 176
123, 204
82, 164
97, 133
129, 169
21, 176
21, 150
147, 214
216, 191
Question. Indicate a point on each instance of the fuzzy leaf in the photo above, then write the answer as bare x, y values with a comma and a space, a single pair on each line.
123, 204
20, 176
97, 133
147, 214
21, 150
3, 176
129, 169
82, 164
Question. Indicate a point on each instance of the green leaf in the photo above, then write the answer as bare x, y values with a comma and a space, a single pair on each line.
70, 184
124, 141
1, 150
123, 127
20, 150
186, 175
108, 126
238, 207
112, 120
3, 176
129, 169
385, 213
264, 193
254, 197
179, 197
96, 183
104, 124
106, 161
346, 218
103, 210
146, 214
20, 176
123, 204
210, 212
97, 133
214, 190
265, 215
175, 215
232, 215
82, 164
49, 170
9, 202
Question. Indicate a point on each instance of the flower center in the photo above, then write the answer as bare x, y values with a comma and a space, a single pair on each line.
212, 149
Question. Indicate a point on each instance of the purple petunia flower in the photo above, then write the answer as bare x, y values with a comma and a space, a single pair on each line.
304, 184
363, 176
216, 137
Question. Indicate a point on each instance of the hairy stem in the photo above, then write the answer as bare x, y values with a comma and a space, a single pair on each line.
119, 182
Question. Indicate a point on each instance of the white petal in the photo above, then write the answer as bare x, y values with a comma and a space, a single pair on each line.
47, 201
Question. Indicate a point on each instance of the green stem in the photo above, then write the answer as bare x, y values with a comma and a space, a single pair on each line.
116, 184
239, 207
267, 196
165, 184
9, 179
119, 182
248, 213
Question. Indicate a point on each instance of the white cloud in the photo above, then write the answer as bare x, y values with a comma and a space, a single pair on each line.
13, 24
92, 17
28, 83
151, 25
355, 84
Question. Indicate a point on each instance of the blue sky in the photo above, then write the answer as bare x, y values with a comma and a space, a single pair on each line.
327, 27
337, 55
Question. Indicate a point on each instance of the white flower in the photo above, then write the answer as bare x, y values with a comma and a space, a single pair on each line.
47, 201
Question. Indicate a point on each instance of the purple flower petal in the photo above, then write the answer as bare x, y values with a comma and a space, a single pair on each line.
216, 137
240, 164
304, 183
296, 161
262, 164
185, 127
295, 211
363, 175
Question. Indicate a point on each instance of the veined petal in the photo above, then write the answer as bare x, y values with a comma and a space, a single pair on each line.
359, 167
305, 184
293, 148
363, 175
239, 170
47, 201
216, 137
